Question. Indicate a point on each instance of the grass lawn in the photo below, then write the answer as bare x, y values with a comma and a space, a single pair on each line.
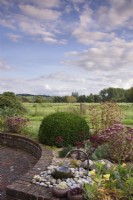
36, 112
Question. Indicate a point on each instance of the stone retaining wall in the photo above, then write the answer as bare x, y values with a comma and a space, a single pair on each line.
24, 189
17, 141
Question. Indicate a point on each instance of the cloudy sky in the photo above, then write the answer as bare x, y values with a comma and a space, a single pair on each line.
56, 47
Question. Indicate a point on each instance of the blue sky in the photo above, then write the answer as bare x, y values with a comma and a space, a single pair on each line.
56, 47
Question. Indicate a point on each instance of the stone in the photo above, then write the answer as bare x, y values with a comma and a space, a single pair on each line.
62, 172
58, 181
48, 183
42, 184
80, 176
84, 164
108, 164
53, 181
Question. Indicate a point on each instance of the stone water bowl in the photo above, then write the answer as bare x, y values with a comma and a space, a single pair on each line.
62, 172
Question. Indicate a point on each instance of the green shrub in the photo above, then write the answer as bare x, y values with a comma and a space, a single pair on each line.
100, 152
10, 105
63, 129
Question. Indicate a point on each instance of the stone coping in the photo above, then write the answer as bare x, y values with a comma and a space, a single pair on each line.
23, 188
21, 142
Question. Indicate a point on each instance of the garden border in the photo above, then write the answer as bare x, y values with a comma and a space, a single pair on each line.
23, 188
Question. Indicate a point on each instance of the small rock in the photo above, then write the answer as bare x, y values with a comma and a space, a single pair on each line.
48, 183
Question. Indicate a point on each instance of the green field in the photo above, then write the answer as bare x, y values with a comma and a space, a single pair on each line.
36, 112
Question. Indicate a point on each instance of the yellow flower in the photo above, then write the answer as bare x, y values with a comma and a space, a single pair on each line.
92, 172
123, 165
106, 176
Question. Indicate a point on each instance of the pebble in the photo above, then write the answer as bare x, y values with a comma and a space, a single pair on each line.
46, 179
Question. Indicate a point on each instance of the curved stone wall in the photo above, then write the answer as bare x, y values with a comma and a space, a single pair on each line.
17, 141
23, 188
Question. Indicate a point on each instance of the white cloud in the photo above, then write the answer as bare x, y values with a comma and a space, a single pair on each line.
4, 66
46, 3
13, 37
107, 60
7, 23
86, 38
42, 24
43, 32
38, 13
118, 14
102, 23
104, 56
34, 28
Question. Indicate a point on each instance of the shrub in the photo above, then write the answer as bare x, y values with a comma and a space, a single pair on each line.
100, 152
104, 115
15, 124
63, 129
10, 103
120, 142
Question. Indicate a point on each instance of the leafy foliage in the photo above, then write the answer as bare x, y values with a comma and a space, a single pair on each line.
100, 152
62, 129
90, 191
10, 103
105, 115
110, 184
119, 140
64, 151
15, 124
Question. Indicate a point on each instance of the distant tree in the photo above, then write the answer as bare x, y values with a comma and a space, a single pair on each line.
39, 99
70, 99
104, 95
115, 94
24, 99
96, 98
75, 94
82, 98
90, 98
129, 95
58, 99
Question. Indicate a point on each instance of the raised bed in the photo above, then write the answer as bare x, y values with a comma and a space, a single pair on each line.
23, 188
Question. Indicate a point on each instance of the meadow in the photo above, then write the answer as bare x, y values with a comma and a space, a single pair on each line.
37, 111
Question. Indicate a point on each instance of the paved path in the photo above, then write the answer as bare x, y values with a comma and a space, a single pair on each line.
13, 164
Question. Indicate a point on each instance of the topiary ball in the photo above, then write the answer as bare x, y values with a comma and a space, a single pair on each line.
63, 129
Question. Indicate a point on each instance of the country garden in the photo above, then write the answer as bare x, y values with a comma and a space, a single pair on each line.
92, 145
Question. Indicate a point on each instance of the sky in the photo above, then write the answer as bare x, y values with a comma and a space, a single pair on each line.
56, 47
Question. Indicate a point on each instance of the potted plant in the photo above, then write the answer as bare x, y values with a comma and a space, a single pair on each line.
75, 194
60, 190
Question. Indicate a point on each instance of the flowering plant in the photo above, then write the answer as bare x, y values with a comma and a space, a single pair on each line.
120, 142
115, 183
15, 124
62, 185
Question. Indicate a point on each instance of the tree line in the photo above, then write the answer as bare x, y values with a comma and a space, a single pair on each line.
108, 94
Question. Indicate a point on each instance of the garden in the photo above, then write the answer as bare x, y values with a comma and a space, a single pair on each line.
90, 160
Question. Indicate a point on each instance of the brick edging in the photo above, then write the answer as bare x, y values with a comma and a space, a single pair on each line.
24, 143
23, 188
